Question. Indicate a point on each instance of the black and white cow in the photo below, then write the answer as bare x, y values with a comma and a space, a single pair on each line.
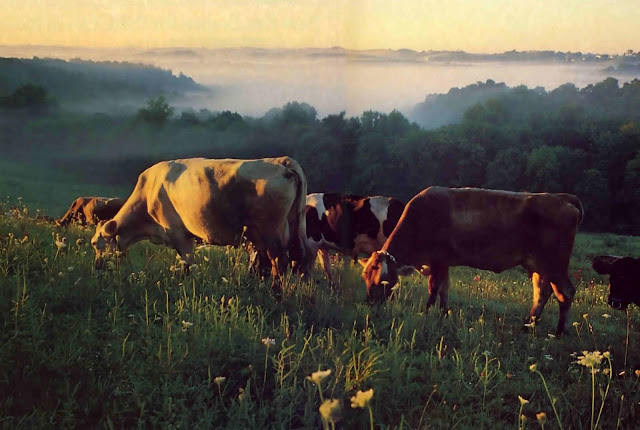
349, 224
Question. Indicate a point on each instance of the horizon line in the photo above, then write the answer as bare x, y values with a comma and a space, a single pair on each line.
335, 47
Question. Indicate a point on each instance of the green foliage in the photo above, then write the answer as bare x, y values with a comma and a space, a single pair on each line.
156, 112
144, 345
27, 96
103, 86
581, 141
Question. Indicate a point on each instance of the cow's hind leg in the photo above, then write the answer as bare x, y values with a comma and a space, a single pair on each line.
279, 262
541, 293
564, 291
439, 285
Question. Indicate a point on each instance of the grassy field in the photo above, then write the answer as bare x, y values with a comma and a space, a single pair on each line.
47, 188
145, 346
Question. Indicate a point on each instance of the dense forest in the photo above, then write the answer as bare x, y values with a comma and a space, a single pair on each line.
579, 140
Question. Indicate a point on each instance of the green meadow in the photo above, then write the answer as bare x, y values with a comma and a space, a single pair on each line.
144, 345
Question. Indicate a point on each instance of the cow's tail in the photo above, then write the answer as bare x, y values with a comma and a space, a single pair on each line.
575, 201
298, 249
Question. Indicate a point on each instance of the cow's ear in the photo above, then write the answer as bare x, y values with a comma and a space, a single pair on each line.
603, 264
363, 261
406, 270
111, 227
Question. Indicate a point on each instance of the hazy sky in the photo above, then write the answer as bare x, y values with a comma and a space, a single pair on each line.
606, 26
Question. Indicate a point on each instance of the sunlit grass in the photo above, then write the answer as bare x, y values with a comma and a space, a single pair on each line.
146, 345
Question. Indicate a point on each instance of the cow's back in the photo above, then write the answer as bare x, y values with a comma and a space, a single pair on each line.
216, 199
491, 229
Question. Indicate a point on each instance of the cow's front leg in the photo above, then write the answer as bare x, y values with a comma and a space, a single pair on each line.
439, 284
564, 291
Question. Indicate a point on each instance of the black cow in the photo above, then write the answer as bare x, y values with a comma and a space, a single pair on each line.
349, 224
623, 279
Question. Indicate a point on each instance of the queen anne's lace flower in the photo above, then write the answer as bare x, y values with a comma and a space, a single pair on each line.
590, 359
362, 398
331, 410
317, 377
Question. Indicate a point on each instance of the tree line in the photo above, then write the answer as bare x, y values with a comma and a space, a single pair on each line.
582, 141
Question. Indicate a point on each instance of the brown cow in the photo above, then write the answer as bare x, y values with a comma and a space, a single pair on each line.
91, 210
218, 201
484, 229
348, 224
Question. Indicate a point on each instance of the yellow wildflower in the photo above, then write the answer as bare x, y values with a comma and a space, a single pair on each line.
186, 325
542, 418
331, 410
267, 341
317, 377
362, 398
590, 359
523, 401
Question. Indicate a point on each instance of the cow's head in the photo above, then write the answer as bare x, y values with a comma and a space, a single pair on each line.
104, 242
624, 273
380, 274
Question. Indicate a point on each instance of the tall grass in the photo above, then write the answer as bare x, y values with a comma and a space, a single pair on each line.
144, 345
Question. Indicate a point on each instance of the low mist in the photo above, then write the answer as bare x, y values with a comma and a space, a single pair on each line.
252, 81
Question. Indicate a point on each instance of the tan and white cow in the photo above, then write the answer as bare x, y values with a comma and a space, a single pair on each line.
217, 201
349, 224
485, 229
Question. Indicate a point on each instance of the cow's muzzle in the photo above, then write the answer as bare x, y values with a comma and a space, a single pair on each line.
617, 304
378, 294
100, 264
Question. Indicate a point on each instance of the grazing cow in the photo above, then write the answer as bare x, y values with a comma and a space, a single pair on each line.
484, 229
348, 224
623, 279
91, 210
218, 201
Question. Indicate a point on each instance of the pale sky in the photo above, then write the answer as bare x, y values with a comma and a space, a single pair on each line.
603, 26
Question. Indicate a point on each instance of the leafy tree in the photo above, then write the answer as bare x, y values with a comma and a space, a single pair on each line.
593, 191
27, 96
156, 112
226, 119
543, 169
298, 113
506, 170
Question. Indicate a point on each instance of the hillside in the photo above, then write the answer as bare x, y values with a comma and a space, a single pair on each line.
84, 85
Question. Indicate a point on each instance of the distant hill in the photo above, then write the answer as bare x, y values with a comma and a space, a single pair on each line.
78, 83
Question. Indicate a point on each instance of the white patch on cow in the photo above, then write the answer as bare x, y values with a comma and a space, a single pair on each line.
384, 270
380, 209
316, 200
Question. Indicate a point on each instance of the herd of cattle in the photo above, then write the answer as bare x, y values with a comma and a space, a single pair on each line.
265, 201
